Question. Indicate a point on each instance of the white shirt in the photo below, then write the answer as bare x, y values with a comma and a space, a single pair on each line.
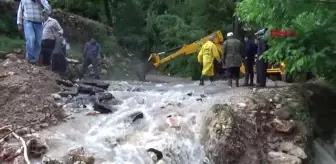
51, 28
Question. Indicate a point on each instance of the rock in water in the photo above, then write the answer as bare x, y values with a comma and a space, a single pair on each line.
87, 89
221, 143
78, 154
103, 85
106, 96
155, 154
282, 158
37, 147
103, 108
66, 93
136, 116
96, 83
66, 83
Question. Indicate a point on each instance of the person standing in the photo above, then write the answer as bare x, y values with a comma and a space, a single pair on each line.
51, 30
206, 57
250, 52
58, 55
233, 54
91, 54
30, 15
261, 63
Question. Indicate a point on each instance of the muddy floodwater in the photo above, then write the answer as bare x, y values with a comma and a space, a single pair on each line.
114, 139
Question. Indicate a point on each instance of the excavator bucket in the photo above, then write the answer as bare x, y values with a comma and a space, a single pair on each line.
145, 67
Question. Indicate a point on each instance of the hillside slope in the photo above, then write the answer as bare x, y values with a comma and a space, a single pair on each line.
77, 30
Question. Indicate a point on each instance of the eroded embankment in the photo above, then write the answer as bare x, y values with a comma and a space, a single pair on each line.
270, 125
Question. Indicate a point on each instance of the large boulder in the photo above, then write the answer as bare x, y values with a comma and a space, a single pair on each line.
219, 135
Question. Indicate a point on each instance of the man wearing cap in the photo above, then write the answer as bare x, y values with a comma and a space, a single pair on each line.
30, 15
233, 53
51, 30
261, 63
206, 57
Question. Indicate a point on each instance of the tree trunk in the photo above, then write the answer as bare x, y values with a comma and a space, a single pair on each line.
108, 13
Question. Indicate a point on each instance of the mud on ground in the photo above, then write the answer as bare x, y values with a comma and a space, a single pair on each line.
25, 98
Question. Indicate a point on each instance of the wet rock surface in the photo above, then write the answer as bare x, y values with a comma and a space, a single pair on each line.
95, 91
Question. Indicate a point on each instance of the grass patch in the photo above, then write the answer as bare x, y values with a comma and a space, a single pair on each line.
8, 44
304, 116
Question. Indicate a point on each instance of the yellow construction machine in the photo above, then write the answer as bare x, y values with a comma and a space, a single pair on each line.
155, 59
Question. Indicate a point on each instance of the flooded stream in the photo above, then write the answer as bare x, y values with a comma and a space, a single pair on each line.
113, 139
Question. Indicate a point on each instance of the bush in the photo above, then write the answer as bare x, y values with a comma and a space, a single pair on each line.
8, 44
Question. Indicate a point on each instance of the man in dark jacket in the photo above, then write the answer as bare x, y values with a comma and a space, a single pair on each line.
250, 52
233, 53
261, 63
91, 54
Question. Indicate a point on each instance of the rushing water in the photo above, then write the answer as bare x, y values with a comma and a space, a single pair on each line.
113, 139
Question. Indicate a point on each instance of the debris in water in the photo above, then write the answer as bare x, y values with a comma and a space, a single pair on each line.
105, 96
173, 121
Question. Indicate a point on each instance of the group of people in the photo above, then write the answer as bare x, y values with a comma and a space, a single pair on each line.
236, 53
45, 44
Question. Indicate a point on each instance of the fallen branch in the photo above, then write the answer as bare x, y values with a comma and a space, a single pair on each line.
23, 142
12, 131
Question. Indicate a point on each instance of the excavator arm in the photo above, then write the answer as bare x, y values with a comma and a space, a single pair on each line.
187, 49
156, 60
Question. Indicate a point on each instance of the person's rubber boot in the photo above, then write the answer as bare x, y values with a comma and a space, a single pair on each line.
246, 82
212, 79
237, 82
201, 81
251, 81
230, 83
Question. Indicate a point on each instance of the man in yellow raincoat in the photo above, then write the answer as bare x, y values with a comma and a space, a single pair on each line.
206, 57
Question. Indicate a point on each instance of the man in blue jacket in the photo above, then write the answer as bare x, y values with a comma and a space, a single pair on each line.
91, 54
250, 52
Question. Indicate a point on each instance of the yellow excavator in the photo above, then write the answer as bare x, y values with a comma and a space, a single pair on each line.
155, 59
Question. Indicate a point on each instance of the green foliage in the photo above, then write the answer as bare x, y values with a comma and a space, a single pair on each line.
144, 25
314, 22
8, 44
89, 8
159, 25
8, 24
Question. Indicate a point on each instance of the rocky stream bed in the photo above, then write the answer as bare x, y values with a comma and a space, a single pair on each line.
123, 122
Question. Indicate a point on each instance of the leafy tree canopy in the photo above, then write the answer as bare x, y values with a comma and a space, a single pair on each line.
314, 21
